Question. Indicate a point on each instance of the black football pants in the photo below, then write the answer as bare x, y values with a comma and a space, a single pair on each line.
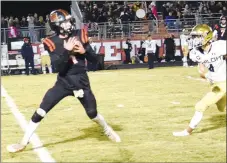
55, 94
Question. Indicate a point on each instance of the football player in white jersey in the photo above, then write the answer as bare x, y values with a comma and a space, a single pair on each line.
210, 57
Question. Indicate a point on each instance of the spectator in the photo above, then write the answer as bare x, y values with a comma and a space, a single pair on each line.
31, 27
23, 22
154, 10
10, 20
17, 23
13, 33
125, 18
127, 48
170, 46
164, 11
36, 20
28, 56
40, 21
170, 20
102, 19
4, 23
224, 11
48, 30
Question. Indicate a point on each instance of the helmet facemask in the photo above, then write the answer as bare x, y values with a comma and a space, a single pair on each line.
66, 27
203, 35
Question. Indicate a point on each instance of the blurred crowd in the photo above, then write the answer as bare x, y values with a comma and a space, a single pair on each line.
100, 12
116, 12
37, 26
174, 13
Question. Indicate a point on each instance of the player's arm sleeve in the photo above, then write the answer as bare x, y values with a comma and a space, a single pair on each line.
193, 56
60, 61
90, 54
201, 70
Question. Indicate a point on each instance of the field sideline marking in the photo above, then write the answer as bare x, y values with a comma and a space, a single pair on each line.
42, 152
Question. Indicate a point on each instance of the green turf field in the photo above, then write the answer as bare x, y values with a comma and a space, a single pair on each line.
143, 106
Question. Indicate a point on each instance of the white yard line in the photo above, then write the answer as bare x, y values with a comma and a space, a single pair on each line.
42, 152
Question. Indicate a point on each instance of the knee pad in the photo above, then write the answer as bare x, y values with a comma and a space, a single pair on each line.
92, 113
38, 115
201, 107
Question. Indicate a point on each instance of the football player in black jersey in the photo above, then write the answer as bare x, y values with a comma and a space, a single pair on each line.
68, 50
220, 31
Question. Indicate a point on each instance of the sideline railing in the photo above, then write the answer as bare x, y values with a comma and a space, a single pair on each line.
109, 30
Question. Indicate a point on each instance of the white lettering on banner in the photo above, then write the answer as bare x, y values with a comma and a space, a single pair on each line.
112, 51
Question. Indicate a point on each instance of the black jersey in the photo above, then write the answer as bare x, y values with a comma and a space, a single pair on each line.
221, 32
69, 72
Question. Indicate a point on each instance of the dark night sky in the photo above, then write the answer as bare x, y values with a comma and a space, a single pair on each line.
23, 8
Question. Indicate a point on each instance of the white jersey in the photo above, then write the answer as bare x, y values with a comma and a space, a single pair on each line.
184, 40
42, 50
213, 60
150, 46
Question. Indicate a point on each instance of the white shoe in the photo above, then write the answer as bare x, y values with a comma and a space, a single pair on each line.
112, 135
181, 133
185, 64
13, 148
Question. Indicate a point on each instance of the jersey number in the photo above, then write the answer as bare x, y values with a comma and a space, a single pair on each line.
211, 68
222, 32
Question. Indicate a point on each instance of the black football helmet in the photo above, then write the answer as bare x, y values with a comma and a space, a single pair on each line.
61, 22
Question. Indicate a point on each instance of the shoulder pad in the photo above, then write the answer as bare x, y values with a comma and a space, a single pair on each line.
50, 44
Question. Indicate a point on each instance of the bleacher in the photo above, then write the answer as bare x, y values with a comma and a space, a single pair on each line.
139, 29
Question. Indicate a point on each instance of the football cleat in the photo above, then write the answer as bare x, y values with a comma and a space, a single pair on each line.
181, 133
112, 135
13, 148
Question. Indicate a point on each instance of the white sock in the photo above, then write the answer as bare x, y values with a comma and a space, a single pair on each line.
185, 59
29, 131
44, 70
196, 119
50, 69
101, 121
